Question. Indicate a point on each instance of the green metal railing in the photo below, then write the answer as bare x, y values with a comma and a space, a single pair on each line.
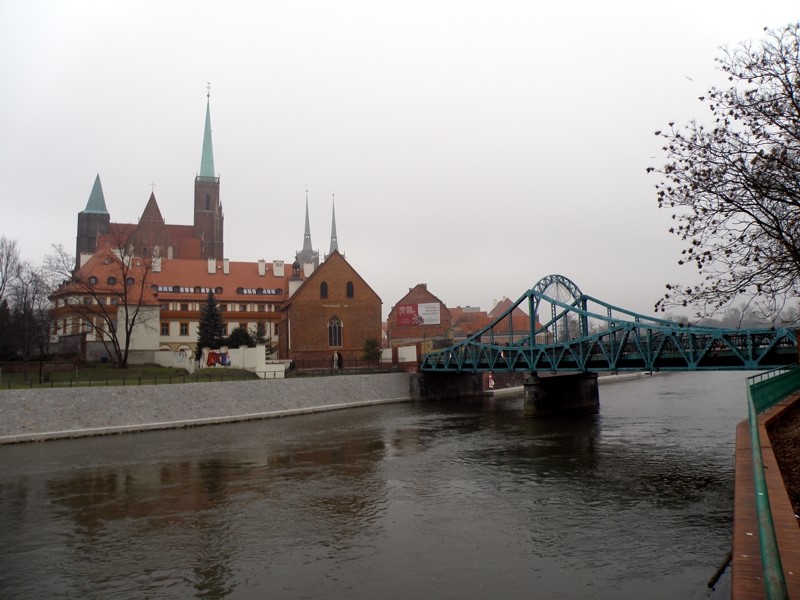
770, 387
764, 391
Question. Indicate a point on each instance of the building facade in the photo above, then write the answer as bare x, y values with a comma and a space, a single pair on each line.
419, 316
329, 317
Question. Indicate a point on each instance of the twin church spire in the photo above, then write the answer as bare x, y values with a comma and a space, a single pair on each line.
308, 255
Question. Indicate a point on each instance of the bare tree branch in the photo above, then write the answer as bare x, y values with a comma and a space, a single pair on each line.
9, 260
108, 294
734, 186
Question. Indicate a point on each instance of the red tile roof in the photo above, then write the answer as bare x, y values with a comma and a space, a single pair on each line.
187, 279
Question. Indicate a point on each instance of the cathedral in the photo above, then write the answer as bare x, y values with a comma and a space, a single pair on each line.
172, 268
151, 236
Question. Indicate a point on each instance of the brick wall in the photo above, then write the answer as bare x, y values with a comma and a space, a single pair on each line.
400, 335
309, 315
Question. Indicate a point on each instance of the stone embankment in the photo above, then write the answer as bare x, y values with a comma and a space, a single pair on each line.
42, 414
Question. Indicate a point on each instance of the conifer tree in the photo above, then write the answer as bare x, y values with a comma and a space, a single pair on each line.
211, 329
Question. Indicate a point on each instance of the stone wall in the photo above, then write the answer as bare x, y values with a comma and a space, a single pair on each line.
41, 414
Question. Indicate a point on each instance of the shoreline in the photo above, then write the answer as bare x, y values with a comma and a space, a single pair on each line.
66, 413
48, 414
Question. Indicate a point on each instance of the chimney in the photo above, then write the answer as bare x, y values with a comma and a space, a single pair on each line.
212, 266
277, 268
262, 267
226, 266
293, 285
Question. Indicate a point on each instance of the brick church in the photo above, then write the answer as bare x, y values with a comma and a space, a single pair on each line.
182, 263
151, 236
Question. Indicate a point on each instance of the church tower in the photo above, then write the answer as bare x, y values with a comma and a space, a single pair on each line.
208, 218
93, 221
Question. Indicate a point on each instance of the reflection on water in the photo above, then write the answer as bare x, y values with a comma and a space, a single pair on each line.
443, 499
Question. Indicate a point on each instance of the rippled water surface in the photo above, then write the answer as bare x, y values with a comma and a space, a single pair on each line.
447, 500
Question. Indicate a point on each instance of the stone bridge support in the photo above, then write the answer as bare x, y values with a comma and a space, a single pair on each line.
441, 386
557, 395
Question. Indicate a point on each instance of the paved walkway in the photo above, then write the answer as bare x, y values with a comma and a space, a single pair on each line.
41, 414
746, 570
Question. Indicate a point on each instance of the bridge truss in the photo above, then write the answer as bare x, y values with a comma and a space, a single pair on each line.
581, 333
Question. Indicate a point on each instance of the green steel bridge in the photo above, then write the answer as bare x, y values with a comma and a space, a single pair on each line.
566, 330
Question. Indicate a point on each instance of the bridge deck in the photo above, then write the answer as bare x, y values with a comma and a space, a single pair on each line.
746, 571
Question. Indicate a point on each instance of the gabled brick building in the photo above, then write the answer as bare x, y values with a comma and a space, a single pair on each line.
417, 317
330, 315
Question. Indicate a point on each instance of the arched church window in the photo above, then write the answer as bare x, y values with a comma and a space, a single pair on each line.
208, 201
144, 252
323, 289
335, 332
350, 289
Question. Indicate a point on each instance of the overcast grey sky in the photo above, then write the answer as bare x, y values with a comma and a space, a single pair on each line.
473, 146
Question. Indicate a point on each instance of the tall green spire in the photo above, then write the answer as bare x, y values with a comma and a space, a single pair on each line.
97, 202
207, 161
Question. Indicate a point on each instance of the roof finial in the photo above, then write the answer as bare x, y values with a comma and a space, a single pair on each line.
208, 90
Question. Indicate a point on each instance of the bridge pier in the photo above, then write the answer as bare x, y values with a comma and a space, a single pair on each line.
561, 395
441, 386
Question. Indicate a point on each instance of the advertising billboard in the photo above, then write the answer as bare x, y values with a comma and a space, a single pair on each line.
426, 313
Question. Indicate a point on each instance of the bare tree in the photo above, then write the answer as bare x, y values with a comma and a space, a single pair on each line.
30, 315
734, 185
9, 260
110, 294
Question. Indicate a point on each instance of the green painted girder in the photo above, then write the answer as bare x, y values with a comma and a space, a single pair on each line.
626, 341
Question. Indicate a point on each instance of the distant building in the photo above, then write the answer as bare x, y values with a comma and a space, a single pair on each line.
419, 316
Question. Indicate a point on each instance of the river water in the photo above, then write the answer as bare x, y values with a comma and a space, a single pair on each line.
412, 500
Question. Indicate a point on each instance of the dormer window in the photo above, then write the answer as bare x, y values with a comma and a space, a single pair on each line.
92, 280
112, 280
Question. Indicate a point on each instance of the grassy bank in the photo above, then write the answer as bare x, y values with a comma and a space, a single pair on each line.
102, 375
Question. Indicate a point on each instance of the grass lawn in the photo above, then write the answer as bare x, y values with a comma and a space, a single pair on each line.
96, 374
